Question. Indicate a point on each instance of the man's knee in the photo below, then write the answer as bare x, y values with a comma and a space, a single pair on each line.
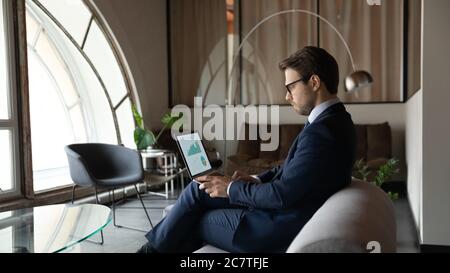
193, 186
192, 191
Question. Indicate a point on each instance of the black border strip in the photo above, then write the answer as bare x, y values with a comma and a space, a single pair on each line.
434, 249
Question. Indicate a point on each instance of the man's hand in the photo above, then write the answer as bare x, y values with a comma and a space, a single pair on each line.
215, 186
238, 175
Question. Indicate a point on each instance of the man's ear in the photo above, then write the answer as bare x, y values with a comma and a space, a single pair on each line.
316, 82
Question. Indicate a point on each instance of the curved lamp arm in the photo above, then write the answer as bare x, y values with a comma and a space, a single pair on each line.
272, 16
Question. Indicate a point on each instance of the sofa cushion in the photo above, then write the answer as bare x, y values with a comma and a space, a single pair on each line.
240, 159
376, 163
372, 142
349, 221
264, 163
379, 141
361, 142
248, 146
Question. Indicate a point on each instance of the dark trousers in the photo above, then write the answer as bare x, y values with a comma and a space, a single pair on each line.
194, 220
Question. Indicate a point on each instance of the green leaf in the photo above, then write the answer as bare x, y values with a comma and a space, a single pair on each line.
393, 196
137, 116
143, 138
362, 171
386, 171
168, 120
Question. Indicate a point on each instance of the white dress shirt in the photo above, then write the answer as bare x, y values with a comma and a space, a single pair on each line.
320, 108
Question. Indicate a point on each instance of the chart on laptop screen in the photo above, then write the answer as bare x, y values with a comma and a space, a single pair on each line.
194, 153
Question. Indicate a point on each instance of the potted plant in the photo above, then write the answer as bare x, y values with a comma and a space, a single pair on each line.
383, 174
143, 137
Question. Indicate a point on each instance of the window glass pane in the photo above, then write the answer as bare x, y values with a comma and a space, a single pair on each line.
6, 235
126, 124
78, 124
72, 14
6, 214
93, 98
32, 28
101, 54
6, 161
50, 127
6, 240
99, 121
57, 68
4, 113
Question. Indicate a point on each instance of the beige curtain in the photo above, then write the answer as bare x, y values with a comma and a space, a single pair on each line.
414, 46
262, 81
200, 61
375, 37
198, 51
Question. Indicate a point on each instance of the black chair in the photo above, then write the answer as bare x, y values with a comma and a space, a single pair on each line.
105, 166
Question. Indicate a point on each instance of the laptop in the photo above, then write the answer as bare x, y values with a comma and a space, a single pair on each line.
194, 155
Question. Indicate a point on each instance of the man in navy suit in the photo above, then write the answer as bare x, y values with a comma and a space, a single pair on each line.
264, 213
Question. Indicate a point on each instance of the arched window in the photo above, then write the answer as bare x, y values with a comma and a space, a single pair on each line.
77, 88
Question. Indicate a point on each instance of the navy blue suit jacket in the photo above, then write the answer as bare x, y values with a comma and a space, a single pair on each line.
318, 165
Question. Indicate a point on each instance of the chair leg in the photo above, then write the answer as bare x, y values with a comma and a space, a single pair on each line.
73, 192
131, 228
113, 204
143, 206
101, 231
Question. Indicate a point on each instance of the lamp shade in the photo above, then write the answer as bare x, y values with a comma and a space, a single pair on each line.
358, 80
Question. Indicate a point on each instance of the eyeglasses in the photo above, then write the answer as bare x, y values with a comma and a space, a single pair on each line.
290, 85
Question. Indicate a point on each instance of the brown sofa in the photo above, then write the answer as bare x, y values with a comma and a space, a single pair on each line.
374, 146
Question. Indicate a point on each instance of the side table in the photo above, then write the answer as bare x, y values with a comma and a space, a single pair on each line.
168, 172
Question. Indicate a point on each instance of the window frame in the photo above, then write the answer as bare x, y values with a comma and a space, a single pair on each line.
25, 196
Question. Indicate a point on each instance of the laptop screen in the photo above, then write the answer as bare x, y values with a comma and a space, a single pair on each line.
194, 153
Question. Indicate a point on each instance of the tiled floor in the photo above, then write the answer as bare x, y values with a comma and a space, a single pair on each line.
120, 240
129, 213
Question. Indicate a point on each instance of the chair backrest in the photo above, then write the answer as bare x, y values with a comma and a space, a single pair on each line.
91, 161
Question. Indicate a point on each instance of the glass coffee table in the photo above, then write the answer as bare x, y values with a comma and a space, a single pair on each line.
50, 229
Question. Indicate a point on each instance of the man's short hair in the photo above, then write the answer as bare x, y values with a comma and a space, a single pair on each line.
312, 60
